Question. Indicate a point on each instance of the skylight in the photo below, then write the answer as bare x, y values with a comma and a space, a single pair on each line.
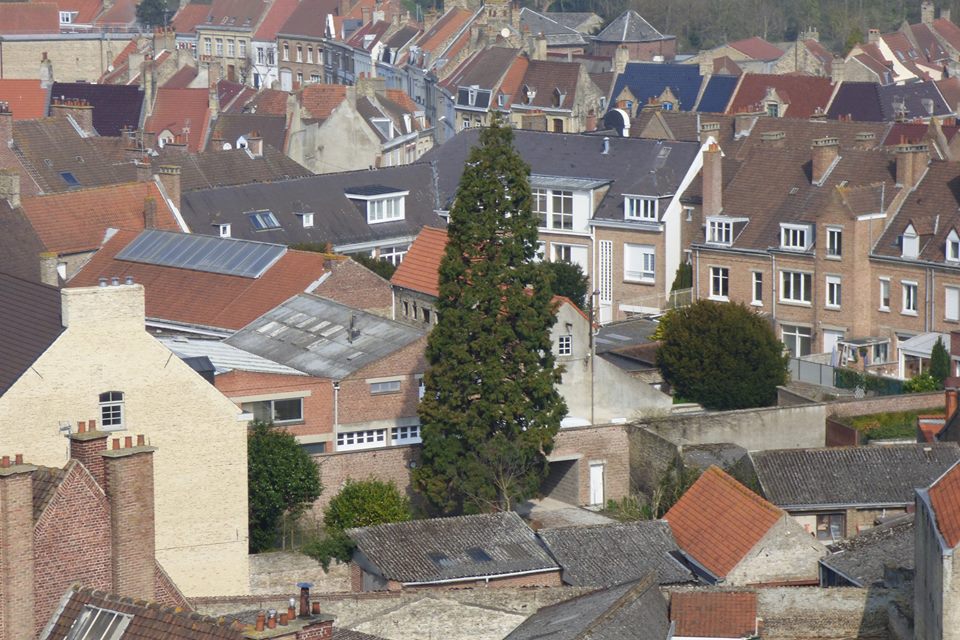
95, 623
262, 220
69, 178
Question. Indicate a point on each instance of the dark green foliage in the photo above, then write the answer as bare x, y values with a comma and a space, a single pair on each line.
684, 277
569, 281
721, 355
491, 410
316, 247
894, 424
673, 484
335, 545
921, 383
365, 503
155, 13
939, 362
844, 378
283, 480
383, 268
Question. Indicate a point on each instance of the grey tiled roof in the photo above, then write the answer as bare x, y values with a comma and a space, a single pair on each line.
862, 559
30, 322
312, 334
848, 476
632, 611
609, 554
556, 32
630, 27
451, 548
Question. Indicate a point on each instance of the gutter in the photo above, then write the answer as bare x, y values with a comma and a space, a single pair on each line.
835, 506
484, 578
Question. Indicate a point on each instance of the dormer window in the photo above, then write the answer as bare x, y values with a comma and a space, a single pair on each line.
384, 126
795, 237
264, 220
529, 93
66, 17
223, 230
307, 219
472, 96
501, 99
719, 231
636, 208
383, 204
773, 109
953, 246
559, 97
910, 243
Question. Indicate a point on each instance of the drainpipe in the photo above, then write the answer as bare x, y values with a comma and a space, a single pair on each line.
336, 407
696, 276
773, 296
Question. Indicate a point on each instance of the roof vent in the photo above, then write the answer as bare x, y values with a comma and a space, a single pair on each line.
773, 135
864, 136
710, 126
606, 146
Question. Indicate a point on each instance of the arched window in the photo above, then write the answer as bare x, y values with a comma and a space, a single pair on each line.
111, 410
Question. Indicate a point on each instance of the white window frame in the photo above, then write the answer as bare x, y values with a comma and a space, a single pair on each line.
223, 230
805, 281
952, 249
307, 220
231, 49
646, 271
66, 17
385, 387
834, 242
794, 237
640, 208
562, 220
242, 49
756, 288
720, 231
112, 410
368, 439
834, 292
393, 254
796, 333
720, 283
261, 56
208, 46
389, 209
906, 298
286, 52
884, 294
218, 46
909, 243
951, 308
408, 434
565, 345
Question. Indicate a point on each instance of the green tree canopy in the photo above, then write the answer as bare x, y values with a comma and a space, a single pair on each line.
364, 503
722, 355
491, 408
939, 362
569, 281
283, 480
155, 13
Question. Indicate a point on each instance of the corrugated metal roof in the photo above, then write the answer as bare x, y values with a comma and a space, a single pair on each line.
322, 337
561, 182
225, 357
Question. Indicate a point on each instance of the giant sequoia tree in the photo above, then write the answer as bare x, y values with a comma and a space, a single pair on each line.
491, 409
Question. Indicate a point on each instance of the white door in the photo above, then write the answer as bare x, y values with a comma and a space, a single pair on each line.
605, 281
830, 339
596, 484
286, 80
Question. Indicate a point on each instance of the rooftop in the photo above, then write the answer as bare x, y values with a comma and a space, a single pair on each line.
224, 357
649, 80
630, 26
803, 94
757, 48
26, 98
29, 18
29, 323
863, 558
115, 106
419, 269
714, 614
944, 495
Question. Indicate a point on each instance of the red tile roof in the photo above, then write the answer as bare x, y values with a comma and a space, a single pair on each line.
77, 221
420, 269
319, 100
202, 298
948, 31
400, 97
123, 12
179, 110
950, 90
444, 29
757, 48
189, 16
714, 614
86, 10
269, 102
718, 521
945, 500
29, 17
182, 78
513, 78
27, 99
803, 93
277, 15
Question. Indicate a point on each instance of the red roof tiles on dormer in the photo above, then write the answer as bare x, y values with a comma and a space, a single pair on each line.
804, 94
182, 112
420, 269
29, 17
945, 500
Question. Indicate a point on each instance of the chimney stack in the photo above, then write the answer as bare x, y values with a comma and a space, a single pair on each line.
86, 445
46, 72
80, 110
16, 550
6, 124
169, 177
144, 170
836, 69
712, 181
927, 12
620, 58
873, 36
128, 474
255, 144
950, 394
48, 268
540, 47
912, 160
10, 187
825, 152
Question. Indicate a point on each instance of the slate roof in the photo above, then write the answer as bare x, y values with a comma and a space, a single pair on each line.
757, 48
648, 80
425, 551
484, 69
548, 76
148, 621
20, 246
29, 18
857, 101
338, 220
609, 554
716, 95
625, 612
418, 271
862, 558
115, 106
718, 521
630, 26
27, 99
553, 29
805, 94
209, 169
944, 495
29, 323
912, 96
225, 357
714, 614
203, 298
313, 334
77, 221
632, 164
851, 476
230, 126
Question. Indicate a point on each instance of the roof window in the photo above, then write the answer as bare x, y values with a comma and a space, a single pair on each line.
70, 179
263, 220
95, 623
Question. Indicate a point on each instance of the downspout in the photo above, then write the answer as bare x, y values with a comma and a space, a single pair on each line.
336, 408
773, 297
696, 274
930, 305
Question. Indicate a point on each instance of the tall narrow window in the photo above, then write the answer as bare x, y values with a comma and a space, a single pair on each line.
757, 290
909, 298
833, 292
884, 294
834, 242
719, 283
563, 210
540, 206
111, 410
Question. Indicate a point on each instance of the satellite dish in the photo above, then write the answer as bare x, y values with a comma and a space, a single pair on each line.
227, 146
505, 32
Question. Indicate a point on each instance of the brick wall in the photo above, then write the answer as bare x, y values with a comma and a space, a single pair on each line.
354, 285
74, 60
389, 464
635, 293
129, 488
607, 445
650, 455
358, 405
17, 616
883, 404
840, 435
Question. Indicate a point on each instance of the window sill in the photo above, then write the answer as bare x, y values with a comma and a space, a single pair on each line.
719, 298
384, 393
112, 427
829, 257
909, 313
832, 307
289, 423
756, 303
884, 309
650, 281
795, 303
952, 320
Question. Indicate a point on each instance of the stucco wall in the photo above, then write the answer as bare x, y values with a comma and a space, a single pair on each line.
200, 463
75, 58
786, 553
936, 583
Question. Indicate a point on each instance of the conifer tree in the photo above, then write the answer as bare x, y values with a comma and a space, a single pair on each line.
490, 410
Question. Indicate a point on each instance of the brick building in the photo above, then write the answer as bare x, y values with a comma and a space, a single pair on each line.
644, 43
90, 522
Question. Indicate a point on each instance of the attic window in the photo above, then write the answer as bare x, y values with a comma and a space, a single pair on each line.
559, 97
529, 93
472, 96
223, 230
70, 179
385, 210
263, 220
795, 236
953, 247
794, 190
501, 99
95, 623
66, 17
910, 243
307, 219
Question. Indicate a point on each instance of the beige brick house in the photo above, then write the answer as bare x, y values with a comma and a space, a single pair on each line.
83, 354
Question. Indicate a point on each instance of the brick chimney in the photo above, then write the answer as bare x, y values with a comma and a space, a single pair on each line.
912, 160
255, 144
48, 268
144, 171
149, 213
86, 445
873, 36
836, 69
128, 483
712, 181
46, 72
620, 58
369, 87
6, 124
80, 110
16, 550
824, 154
10, 187
170, 179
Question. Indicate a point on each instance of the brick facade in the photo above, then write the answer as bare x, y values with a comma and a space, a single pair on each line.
358, 405
17, 578
129, 489
354, 285
606, 445
389, 464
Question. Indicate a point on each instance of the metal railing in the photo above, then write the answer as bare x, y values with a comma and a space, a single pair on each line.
660, 302
811, 372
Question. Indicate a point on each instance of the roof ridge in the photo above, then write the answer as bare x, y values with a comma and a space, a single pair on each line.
745, 491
